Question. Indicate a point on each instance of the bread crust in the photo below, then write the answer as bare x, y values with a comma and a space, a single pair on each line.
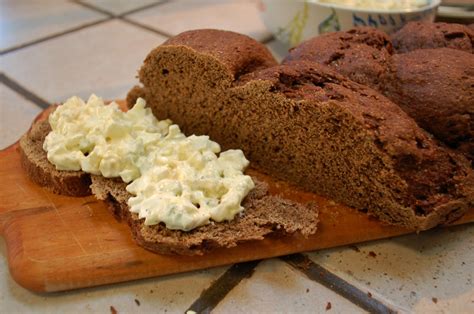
424, 35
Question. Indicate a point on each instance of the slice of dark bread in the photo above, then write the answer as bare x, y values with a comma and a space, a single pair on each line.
265, 215
304, 123
41, 171
434, 86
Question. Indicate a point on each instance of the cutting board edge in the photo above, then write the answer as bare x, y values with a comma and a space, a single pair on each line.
40, 277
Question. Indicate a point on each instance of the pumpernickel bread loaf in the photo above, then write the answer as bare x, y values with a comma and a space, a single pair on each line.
304, 123
434, 86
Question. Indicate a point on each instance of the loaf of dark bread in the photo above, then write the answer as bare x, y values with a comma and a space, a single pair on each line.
306, 124
425, 35
265, 215
42, 172
434, 86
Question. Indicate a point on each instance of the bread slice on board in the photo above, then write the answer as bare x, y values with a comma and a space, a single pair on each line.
306, 124
264, 215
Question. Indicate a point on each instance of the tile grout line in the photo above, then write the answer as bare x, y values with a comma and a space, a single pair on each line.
148, 6
123, 16
217, 291
93, 8
145, 27
16, 87
108, 16
43, 39
111, 14
317, 273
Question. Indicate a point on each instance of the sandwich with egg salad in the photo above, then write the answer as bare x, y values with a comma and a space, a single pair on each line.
179, 194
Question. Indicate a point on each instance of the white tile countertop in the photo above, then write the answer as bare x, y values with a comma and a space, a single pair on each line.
50, 50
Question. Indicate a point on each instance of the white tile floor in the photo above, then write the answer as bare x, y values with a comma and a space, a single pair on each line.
275, 287
409, 271
406, 273
16, 114
24, 21
117, 7
93, 59
177, 16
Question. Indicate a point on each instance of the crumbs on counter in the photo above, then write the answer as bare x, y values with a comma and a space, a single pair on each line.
435, 300
328, 306
137, 302
113, 310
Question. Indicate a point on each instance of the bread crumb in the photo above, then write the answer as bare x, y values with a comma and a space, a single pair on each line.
369, 294
113, 310
307, 290
355, 248
435, 300
328, 306
137, 302
372, 254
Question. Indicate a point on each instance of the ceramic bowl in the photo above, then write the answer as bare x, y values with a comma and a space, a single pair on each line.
292, 21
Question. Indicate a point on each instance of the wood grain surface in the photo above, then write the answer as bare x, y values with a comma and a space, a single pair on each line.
59, 243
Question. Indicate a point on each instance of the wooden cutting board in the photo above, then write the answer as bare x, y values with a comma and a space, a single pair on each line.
59, 243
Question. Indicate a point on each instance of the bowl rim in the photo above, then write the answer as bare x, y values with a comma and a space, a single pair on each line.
433, 4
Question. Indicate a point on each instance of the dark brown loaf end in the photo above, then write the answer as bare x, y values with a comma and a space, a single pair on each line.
424, 35
265, 215
226, 56
42, 172
304, 123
